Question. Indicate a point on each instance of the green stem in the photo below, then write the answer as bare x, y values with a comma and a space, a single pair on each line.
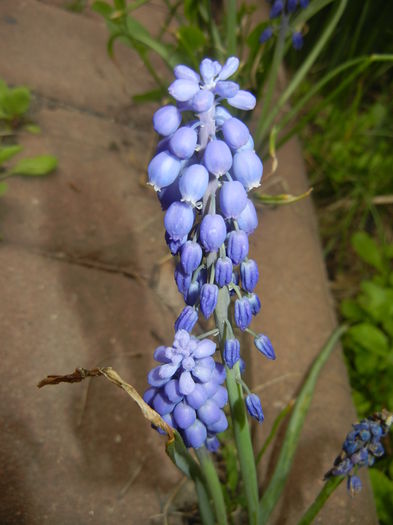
328, 488
205, 510
231, 27
272, 80
240, 424
301, 73
213, 484
295, 425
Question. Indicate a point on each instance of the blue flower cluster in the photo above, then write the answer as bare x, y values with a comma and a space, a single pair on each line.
186, 390
204, 166
202, 172
361, 447
284, 8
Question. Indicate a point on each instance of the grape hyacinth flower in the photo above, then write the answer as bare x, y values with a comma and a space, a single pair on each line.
185, 388
279, 10
361, 448
204, 167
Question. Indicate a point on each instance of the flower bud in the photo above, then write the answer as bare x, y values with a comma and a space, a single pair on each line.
208, 299
187, 319
255, 303
226, 89
212, 232
248, 219
243, 100
218, 157
354, 485
178, 220
291, 5
223, 271
247, 169
195, 435
233, 199
237, 246
193, 183
235, 133
163, 170
183, 142
276, 9
249, 275
209, 412
208, 70
183, 89
184, 415
202, 101
231, 352
254, 407
174, 244
186, 73
182, 279
264, 345
229, 68
243, 313
192, 295
266, 35
191, 256
166, 120
297, 40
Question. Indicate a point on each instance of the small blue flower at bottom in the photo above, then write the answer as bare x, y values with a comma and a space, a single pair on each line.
254, 407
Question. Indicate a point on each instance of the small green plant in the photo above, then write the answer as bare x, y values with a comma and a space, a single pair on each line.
368, 346
14, 106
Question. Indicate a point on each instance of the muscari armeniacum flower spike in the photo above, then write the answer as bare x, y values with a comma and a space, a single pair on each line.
361, 447
202, 171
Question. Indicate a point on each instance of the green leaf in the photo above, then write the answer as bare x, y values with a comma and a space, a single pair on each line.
102, 8
138, 32
283, 198
376, 300
155, 95
3, 188
383, 492
191, 38
35, 166
368, 250
15, 102
369, 337
7, 152
351, 310
32, 128
292, 435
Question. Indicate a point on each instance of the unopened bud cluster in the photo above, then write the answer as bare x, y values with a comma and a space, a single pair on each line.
284, 8
361, 448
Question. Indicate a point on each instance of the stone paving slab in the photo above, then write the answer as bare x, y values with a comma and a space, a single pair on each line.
62, 55
76, 453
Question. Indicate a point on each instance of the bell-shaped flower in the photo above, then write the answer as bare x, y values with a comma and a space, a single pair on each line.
229, 68
187, 319
254, 407
208, 299
178, 220
247, 169
163, 170
243, 100
218, 158
212, 232
193, 183
233, 199
183, 142
231, 352
166, 120
183, 89
243, 313
249, 275
264, 345
237, 246
248, 219
190, 256
236, 133
223, 271
186, 73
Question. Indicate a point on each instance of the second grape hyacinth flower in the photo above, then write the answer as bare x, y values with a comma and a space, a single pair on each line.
205, 165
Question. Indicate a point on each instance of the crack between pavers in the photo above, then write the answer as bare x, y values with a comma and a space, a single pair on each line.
50, 102
86, 263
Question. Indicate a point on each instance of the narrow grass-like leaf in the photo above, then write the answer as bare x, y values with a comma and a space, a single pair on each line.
292, 435
282, 198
